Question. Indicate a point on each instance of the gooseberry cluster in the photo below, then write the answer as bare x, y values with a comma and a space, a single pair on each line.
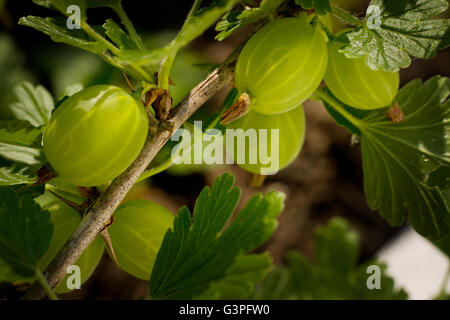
282, 65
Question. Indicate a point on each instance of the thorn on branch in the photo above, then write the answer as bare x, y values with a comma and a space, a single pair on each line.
128, 82
109, 246
73, 205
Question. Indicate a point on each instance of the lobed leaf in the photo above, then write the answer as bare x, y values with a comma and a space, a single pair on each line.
401, 160
234, 20
333, 275
25, 231
34, 105
58, 32
118, 36
399, 157
395, 31
240, 279
199, 251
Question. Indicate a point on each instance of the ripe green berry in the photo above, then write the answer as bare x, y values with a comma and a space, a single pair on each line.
282, 65
136, 234
291, 134
95, 135
65, 220
358, 86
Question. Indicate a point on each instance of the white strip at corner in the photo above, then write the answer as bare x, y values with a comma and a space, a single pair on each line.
415, 264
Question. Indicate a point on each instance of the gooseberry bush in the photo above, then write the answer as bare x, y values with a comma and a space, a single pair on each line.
68, 163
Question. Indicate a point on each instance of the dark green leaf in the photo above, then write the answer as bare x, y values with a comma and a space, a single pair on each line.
240, 279
234, 20
118, 36
7, 274
199, 251
336, 246
333, 275
25, 231
34, 105
394, 31
400, 157
320, 6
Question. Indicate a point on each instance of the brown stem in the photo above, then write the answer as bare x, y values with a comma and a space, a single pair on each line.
100, 213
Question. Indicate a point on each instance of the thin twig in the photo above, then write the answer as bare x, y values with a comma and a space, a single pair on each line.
100, 213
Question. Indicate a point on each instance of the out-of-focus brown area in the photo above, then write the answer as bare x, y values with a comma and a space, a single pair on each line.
324, 181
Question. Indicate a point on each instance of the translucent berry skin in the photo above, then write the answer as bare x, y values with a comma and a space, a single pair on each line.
136, 234
65, 220
95, 135
291, 126
282, 65
358, 86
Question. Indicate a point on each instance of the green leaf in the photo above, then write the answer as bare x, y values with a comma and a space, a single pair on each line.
399, 158
58, 32
7, 274
118, 36
144, 57
240, 279
25, 231
19, 138
70, 90
320, 6
18, 132
16, 174
199, 251
445, 43
198, 21
27, 155
62, 5
44, 3
333, 275
34, 105
234, 20
395, 31
336, 246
